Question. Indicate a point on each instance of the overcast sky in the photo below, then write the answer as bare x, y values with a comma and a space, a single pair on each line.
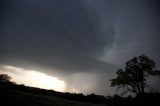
82, 42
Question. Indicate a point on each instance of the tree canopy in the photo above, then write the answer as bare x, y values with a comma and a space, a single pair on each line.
134, 76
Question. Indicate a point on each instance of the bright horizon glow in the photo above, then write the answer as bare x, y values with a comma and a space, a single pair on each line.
33, 78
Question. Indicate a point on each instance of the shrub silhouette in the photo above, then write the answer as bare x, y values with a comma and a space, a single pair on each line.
4, 78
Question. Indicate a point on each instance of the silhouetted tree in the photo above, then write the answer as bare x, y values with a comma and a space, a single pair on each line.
4, 78
133, 76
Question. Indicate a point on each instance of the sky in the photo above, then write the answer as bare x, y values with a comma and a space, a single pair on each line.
79, 44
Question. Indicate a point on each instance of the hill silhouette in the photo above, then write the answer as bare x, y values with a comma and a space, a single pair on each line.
12, 94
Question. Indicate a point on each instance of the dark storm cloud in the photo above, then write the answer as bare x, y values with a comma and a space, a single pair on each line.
47, 30
63, 35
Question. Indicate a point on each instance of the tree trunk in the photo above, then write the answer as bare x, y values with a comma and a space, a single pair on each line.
142, 82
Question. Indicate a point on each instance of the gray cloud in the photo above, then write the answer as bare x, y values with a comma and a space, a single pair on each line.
137, 27
66, 27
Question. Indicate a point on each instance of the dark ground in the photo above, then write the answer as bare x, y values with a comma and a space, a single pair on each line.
28, 96
20, 95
